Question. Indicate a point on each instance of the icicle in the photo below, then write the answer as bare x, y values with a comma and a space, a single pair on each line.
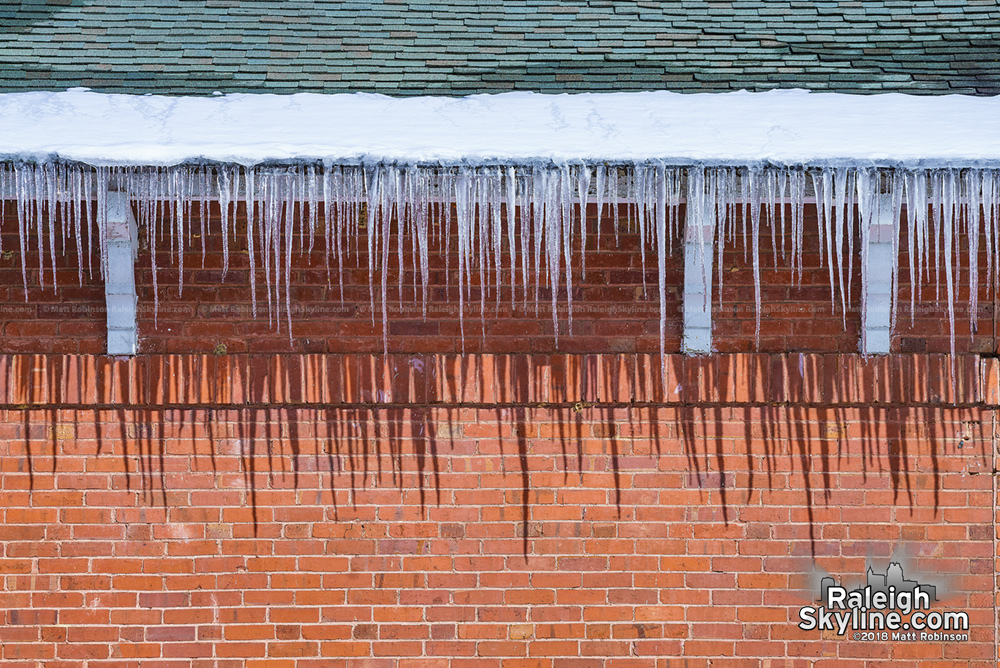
701, 196
922, 222
840, 206
745, 207
797, 184
341, 207
266, 236
463, 214
538, 187
223, 177
553, 241
180, 210
948, 228
38, 215
600, 179
613, 197
327, 188
753, 187
985, 200
525, 232
849, 233
23, 202
896, 188
278, 198
5, 191
63, 206
771, 179
373, 194
824, 189
413, 205
422, 239
705, 194
937, 205
660, 235
718, 193
448, 193
995, 224
313, 199
988, 180
510, 181
289, 237
866, 204
49, 177
566, 225
482, 235
782, 182
251, 211
203, 217
642, 200
909, 182
583, 188
973, 193
153, 193
494, 184
390, 181
397, 211
75, 178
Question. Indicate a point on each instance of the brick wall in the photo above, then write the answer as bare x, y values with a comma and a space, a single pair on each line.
316, 504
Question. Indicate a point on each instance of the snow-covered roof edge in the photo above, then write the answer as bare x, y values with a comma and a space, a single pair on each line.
784, 128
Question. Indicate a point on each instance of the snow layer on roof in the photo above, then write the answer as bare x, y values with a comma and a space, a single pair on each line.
787, 127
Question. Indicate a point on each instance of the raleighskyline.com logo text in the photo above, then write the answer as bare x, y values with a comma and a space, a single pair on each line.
886, 607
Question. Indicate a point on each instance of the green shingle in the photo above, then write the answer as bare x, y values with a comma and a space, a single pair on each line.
466, 46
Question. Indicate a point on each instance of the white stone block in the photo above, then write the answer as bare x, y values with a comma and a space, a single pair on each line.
697, 305
876, 341
880, 260
121, 311
119, 286
121, 342
878, 302
697, 315
697, 341
121, 268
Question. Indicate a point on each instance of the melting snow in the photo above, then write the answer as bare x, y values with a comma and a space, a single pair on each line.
787, 127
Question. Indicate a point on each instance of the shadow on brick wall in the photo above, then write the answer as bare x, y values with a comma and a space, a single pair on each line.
730, 430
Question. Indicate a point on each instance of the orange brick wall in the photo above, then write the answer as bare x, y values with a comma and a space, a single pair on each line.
228, 498
487, 511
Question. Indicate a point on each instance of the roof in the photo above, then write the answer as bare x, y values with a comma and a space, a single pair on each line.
789, 127
459, 47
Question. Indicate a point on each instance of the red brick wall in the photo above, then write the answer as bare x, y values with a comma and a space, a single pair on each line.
612, 312
314, 504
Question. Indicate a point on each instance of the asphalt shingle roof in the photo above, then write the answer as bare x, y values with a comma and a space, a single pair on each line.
457, 47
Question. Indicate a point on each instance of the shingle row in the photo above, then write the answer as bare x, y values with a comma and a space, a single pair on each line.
467, 46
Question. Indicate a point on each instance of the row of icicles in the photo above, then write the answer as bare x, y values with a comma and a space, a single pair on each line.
368, 205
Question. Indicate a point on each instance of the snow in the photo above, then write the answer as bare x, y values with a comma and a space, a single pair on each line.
785, 127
